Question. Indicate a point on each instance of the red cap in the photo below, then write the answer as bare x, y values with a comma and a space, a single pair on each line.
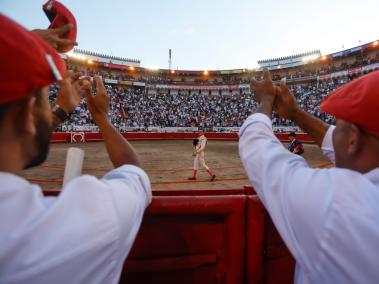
27, 62
59, 16
357, 102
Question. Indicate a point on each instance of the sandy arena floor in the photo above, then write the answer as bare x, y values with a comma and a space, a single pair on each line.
168, 163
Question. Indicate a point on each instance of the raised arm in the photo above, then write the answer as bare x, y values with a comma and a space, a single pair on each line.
285, 183
52, 36
119, 150
287, 107
70, 92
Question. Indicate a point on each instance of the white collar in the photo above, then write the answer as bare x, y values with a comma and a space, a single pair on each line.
13, 178
373, 175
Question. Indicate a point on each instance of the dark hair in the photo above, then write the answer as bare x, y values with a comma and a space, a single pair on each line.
293, 134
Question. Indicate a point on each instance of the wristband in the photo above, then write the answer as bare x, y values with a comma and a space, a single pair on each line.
60, 113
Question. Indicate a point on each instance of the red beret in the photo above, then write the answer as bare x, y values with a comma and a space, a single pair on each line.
28, 63
59, 16
357, 102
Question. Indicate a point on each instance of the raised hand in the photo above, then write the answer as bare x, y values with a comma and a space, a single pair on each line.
98, 104
264, 88
70, 91
286, 106
285, 102
52, 36
119, 150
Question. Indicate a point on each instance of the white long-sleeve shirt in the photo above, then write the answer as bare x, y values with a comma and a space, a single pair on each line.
81, 236
328, 218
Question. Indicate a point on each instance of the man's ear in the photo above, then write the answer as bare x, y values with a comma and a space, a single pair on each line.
355, 140
28, 118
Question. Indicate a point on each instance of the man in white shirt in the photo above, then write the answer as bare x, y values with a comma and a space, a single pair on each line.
84, 234
328, 218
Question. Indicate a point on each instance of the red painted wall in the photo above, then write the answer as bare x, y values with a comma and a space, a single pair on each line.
207, 237
95, 136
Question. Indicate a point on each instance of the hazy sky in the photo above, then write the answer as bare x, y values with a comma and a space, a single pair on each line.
210, 34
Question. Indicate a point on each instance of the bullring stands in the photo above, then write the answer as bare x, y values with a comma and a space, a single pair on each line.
147, 100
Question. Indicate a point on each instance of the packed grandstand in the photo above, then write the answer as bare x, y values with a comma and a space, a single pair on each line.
165, 100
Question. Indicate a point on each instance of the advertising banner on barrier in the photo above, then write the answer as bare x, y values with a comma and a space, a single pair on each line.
354, 70
110, 81
91, 128
339, 74
128, 129
226, 129
94, 128
286, 129
370, 67
126, 83
154, 129
172, 129
139, 84
198, 87
179, 129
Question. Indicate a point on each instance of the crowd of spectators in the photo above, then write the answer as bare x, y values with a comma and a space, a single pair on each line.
135, 109
359, 61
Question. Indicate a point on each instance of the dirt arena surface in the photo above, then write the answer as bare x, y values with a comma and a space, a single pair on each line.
168, 163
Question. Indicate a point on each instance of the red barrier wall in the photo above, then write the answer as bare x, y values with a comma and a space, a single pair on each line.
279, 265
247, 190
206, 237
95, 136
255, 220
57, 137
189, 240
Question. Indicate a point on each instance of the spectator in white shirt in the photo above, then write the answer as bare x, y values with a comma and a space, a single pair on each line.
328, 218
83, 235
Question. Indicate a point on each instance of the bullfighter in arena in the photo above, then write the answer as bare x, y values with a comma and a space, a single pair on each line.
198, 152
